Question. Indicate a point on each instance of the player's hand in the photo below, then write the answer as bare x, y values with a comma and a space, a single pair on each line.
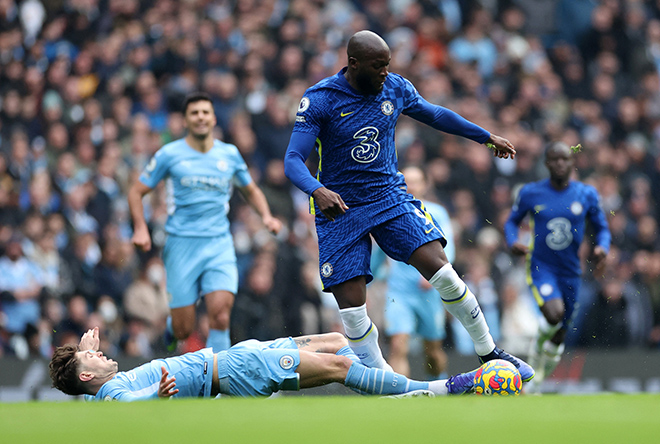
519, 249
501, 147
141, 238
273, 224
90, 340
329, 202
166, 387
599, 259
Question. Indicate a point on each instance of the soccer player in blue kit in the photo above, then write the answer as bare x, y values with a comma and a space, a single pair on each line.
248, 369
350, 118
199, 255
558, 209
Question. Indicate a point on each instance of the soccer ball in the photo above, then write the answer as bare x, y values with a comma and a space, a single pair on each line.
497, 378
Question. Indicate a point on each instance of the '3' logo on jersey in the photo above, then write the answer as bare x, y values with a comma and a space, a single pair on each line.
369, 148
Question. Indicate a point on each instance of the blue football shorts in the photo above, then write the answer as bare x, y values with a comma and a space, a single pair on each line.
197, 266
546, 285
345, 244
257, 368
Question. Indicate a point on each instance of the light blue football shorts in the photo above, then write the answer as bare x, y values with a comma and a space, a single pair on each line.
256, 368
197, 266
419, 312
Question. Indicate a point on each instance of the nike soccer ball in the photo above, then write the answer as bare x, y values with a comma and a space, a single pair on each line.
497, 378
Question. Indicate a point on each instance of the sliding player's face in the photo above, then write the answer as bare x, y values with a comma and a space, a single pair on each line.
559, 162
372, 71
96, 363
200, 119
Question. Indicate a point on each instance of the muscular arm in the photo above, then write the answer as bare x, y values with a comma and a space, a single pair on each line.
141, 237
255, 197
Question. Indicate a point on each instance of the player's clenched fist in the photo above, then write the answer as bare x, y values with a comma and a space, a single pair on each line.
141, 239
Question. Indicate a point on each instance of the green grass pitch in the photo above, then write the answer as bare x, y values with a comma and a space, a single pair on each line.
340, 419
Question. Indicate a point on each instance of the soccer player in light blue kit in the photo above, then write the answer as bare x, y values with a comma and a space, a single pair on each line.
412, 305
558, 209
248, 369
358, 193
199, 255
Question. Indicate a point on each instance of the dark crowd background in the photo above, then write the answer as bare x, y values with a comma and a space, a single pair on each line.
90, 89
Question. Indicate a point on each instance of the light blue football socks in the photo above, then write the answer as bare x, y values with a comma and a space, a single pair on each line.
219, 340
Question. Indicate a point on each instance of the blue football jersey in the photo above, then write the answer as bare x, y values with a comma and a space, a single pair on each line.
199, 185
557, 219
355, 134
193, 372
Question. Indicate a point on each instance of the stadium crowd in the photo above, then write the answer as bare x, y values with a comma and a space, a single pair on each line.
90, 89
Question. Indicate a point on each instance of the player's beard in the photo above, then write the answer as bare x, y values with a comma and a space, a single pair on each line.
366, 84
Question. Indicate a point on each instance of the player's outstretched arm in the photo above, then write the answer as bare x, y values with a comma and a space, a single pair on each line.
141, 237
167, 385
90, 340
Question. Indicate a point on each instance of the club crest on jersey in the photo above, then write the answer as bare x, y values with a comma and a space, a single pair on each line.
304, 104
576, 208
326, 269
222, 165
387, 108
286, 362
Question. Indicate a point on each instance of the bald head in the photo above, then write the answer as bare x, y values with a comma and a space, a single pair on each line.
368, 62
364, 44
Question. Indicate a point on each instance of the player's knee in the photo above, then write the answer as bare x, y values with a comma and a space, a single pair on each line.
220, 320
399, 345
337, 340
182, 330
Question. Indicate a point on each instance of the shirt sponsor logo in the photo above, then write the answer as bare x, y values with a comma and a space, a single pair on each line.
205, 183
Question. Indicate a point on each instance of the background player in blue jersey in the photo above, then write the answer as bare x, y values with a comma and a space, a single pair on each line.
199, 252
358, 193
249, 368
412, 305
558, 208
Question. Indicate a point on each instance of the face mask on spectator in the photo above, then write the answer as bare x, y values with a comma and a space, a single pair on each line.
155, 274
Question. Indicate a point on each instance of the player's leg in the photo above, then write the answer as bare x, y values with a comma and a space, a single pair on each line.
183, 270
318, 369
436, 359
218, 307
462, 304
360, 330
219, 284
321, 343
398, 358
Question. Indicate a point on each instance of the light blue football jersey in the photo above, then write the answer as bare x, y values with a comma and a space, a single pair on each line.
557, 219
193, 372
199, 185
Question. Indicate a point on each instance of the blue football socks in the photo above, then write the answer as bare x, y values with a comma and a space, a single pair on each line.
219, 340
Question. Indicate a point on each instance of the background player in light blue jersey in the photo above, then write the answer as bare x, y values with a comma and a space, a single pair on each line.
199, 252
248, 369
358, 193
558, 209
412, 305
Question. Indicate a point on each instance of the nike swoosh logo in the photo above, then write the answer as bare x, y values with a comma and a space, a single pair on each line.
343, 114
475, 313
429, 230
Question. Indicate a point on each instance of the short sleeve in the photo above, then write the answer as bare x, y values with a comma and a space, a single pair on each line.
241, 176
156, 169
